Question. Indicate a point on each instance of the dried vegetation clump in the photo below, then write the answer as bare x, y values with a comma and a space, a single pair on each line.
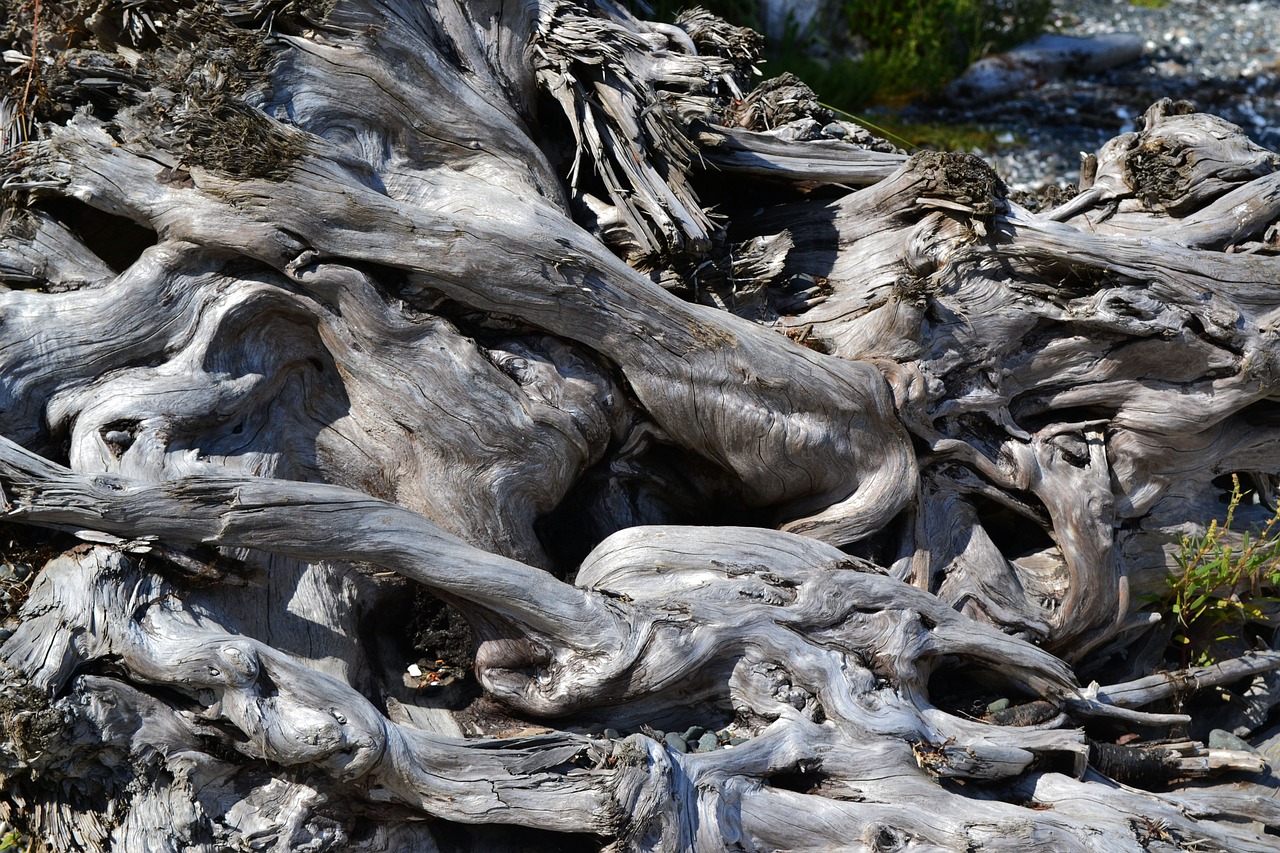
187, 70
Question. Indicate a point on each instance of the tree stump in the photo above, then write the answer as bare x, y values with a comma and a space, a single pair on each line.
793, 490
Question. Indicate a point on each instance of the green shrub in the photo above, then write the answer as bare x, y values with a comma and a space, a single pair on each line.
1224, 583
915, 47
15, 840
886, 50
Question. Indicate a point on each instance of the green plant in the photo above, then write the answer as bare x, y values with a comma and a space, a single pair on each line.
886, 50
13, 839
1224, 583
911, 48
915, 136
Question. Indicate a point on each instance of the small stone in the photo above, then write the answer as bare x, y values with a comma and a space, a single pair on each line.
21, 571
5, 634
1223, 739
119, 438
734, 741
998, 705
708, 742
675, 742
835, 129
692, 733
612, 734
415, 670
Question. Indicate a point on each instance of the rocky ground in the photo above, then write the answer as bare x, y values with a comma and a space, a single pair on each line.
1224, 57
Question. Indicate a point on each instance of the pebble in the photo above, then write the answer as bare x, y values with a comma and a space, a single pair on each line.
1223, 739
708, 742
692, 733
675, 742
998, 705
1223, 57
612, 734
5, 634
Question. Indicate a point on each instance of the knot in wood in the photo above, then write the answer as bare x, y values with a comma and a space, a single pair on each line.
238, 666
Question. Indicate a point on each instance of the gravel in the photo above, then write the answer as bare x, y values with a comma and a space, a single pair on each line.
1223, 57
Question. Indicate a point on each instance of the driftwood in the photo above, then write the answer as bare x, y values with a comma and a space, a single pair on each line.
1044, 58
710, 417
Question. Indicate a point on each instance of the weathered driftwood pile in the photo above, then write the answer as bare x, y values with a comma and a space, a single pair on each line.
703, 409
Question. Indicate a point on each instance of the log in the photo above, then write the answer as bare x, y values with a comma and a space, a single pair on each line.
789, 487
1047, 57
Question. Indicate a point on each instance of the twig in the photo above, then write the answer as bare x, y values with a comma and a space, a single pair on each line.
1143, 691
32, 64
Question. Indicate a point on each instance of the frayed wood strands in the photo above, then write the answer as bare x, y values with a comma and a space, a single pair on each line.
603, 75
13, 127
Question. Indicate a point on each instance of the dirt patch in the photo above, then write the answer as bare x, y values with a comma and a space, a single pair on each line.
30, 724
440, 632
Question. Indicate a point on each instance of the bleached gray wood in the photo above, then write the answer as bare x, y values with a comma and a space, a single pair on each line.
735, 150
1046, 57
1144, 691
630, 589
413, 318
